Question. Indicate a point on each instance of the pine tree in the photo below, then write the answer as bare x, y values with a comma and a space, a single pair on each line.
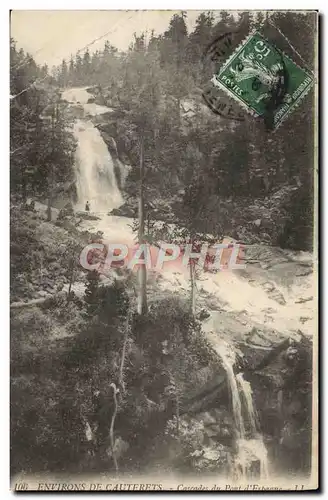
42, 149
78, 70
86, 67
91, 293
64, 74
71, 71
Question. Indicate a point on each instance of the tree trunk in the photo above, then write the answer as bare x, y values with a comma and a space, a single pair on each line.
177, 410
41, 270
24, 192
51, 176
71, 279
125, 340
266, 182
248, 182
179, 111
192, 288
111, 430
148, 223
142, 272
49, 206
264, 150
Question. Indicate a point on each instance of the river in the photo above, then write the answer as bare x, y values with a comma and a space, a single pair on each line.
236, 301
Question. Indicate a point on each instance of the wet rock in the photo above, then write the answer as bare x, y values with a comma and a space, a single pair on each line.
273, 293
302, 300
282, 393
203, 314
269, 310
128, 209
268, 287
207, 418
67, 211
306, 272
258, 337
109, 140
278, 297
212, 431
225, 432
87, 216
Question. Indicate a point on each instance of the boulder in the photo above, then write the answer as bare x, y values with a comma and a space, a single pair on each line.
207, 418
87, 216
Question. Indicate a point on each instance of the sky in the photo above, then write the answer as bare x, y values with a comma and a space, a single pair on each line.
51, 35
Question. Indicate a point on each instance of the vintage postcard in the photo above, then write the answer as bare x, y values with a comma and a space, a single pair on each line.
164, 285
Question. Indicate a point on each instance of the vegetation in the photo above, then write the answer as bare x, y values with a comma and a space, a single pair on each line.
154, 361
101, 379
41, 146
157, 86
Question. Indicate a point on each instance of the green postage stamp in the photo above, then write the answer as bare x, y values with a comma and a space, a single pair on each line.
260, 76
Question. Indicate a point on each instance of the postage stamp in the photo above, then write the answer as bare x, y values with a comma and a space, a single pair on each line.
262, 78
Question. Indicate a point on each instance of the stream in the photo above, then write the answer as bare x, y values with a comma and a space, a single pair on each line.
235, 302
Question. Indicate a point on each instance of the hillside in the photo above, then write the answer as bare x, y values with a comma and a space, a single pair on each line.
124, 371
51, 335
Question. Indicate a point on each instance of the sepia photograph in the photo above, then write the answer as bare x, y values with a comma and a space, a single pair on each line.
164, 250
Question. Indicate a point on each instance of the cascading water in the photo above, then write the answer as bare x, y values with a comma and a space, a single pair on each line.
96, 180
252, 452
246, 391
251, 455
95, 173
235, 398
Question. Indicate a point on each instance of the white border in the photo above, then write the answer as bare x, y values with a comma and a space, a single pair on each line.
4, 195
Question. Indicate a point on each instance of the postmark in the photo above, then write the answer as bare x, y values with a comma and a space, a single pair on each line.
225, 43
219, 47
264, 80
222, 105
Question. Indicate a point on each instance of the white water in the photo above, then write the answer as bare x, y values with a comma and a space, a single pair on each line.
96, 181
245, 389
251, 457
254, 446
95, 174
80, 96
232, 293
226, 356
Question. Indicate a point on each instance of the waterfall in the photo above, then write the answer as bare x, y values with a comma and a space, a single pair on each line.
246, 390
251, 450
94, 167
251, 455
235, 398
96, 180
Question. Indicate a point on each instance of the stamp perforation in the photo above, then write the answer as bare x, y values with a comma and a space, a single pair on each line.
247, 106
250, 110
294, 105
